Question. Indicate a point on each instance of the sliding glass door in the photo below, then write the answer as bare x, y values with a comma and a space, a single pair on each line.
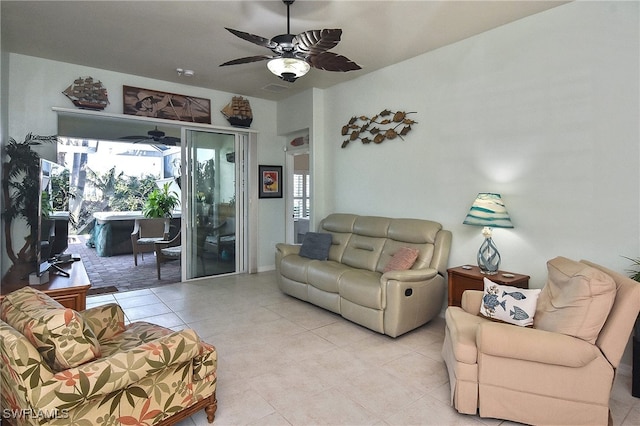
213, 214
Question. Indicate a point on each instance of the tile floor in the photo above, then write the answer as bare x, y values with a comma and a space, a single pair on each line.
285, 362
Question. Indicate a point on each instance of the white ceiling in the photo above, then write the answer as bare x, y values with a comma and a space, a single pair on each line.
153, 38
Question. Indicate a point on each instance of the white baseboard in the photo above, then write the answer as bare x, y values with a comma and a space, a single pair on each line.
267, 268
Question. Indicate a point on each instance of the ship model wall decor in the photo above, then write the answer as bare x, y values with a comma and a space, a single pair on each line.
87, 93
238, 112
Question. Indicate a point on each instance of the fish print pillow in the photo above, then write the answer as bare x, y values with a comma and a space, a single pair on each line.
509, 304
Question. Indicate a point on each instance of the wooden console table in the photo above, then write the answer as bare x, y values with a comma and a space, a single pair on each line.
71, 292
470, 278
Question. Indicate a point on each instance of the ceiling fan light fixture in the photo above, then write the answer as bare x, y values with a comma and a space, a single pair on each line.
288, 69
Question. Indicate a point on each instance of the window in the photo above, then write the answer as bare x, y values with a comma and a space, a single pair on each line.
301, 201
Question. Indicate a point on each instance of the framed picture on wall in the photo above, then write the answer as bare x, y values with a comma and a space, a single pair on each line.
270, 183
170, 106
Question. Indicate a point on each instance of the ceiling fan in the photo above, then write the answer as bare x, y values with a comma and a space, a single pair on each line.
154, 135
294, 55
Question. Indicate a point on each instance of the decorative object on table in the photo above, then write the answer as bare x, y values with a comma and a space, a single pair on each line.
270, 181
153, 103
161, 203
20, 190
238, 112
87, 93
385, 126
488, 211
296, 54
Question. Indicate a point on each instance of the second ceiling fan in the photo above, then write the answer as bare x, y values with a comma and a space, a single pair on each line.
294, 55
153, 136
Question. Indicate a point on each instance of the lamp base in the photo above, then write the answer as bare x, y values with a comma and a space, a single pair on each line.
488, 257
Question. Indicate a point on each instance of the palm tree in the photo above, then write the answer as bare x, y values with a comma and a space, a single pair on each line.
105, 182
20, 188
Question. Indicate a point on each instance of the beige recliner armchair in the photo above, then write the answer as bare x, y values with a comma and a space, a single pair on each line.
560, 371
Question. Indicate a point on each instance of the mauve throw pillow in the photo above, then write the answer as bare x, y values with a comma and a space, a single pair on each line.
402, 259
316, 245
576, 300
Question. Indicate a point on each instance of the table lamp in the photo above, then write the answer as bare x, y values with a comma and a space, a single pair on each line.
488, 211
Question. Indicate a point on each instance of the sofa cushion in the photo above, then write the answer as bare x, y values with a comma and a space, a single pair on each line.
362, 288
316, 245
60, 334
509, 304
576, 299
325, 275
295, 267
402, 259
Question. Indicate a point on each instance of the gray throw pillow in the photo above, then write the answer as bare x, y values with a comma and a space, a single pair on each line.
316, 245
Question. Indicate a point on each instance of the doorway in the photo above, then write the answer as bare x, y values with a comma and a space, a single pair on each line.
299, 195
242, 160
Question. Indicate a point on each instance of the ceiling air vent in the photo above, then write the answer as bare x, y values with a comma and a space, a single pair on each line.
275, 88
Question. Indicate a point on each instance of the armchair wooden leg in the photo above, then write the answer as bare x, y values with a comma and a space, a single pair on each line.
211, 408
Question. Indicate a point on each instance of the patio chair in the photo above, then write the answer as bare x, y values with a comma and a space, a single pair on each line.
145, 234
223, 239
167, 250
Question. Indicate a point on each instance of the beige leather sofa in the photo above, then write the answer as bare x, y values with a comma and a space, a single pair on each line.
560, 371
352, 283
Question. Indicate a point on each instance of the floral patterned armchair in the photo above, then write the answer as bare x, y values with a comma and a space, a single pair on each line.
62, 367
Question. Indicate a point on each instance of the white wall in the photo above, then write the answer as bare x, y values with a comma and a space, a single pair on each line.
544, 111
35, 86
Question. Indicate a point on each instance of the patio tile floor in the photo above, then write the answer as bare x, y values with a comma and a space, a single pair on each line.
120, 272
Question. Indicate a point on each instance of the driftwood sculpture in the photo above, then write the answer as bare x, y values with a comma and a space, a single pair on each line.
377, 128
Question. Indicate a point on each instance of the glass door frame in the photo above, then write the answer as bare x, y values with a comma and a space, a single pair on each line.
246, 195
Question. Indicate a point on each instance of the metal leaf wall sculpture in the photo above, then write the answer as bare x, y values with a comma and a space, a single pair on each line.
386, 125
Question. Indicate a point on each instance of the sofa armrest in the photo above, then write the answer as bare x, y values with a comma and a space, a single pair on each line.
530, 344
70, 388
471, 301
105, 321
409, 275
283, 249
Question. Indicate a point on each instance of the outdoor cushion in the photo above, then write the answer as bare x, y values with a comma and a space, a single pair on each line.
172, 252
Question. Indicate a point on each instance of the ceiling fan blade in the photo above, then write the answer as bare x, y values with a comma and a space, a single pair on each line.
134, 138
170, 140
252, 38
248, 59
329, 61
314, 42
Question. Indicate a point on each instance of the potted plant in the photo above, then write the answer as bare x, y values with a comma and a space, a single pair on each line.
634, 274
161, 203
20, 187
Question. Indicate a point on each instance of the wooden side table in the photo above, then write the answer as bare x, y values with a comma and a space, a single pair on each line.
71, 292
461, 279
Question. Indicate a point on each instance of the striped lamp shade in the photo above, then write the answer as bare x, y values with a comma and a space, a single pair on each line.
488, 210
